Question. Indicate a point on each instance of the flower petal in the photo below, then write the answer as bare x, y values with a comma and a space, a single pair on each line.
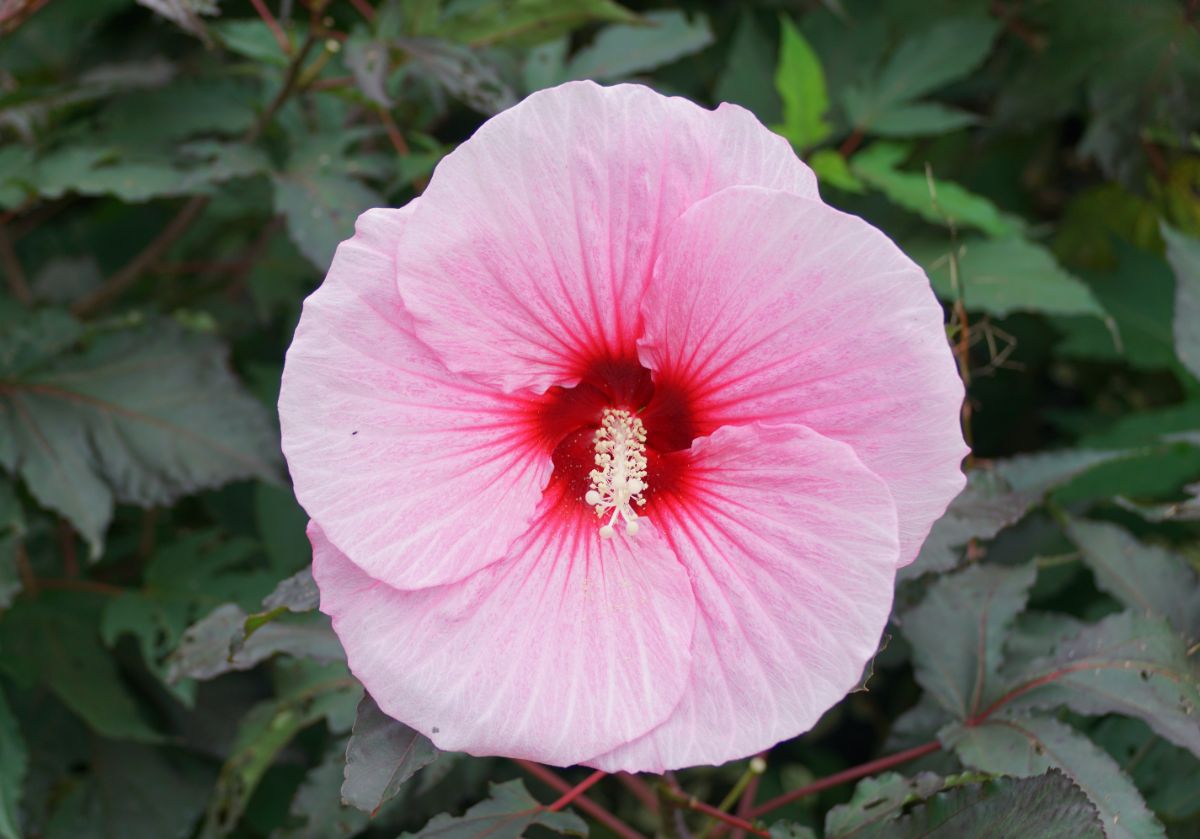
791, 545
419, 475
770, 307
567, 648
536, 237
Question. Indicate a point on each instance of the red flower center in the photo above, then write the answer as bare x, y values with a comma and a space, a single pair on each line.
566, 421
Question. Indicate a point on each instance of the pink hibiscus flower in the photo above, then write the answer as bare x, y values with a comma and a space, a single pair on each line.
614, 439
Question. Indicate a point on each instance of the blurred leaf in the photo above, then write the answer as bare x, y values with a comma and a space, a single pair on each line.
1125, 664
509, 812
1026, 747
252, 38
132, 792
218, 643
831, 168
1164, 773
749, 71
1046, 806
1183, 252
957, 632
464, 74
924, 62
882, 798
370, 62
381, 757
263, 733
53, 640
317, 811
997, 496
791, 830
141, 416
1002, 276
186, 107
298, 593
281, 524
1143, 577
920, 119
545, 64
1138, 294
801, 85
185, 13
624, 50
525, 22
65, 279
14, 763
320, 205
940, 202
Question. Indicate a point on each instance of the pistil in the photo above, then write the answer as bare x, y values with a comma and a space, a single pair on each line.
619, 478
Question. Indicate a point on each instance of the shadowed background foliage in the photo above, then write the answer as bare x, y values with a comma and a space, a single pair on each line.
174, 178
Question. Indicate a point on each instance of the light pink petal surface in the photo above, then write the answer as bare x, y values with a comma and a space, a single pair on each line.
791, 545
421, 476
771, 307
536, 237
565, 649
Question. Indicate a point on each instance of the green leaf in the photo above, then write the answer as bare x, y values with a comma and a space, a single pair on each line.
252, 38
831, 168
1183, 252
262, 735
997, 496
920, 119
320, 208
801, 85
1166, 774
624, 50
183, 580
1002, 276
298, 593
1125, 664
882, 798
53, 640
218, 643
281, 524
957, 632
317, 811
132, 792
1146, 578
924, 62
1139, 295
14, 764
1027, 747
791, 830
1046, 806
382, 756
941, 202
506, 815
526, 22
140, 416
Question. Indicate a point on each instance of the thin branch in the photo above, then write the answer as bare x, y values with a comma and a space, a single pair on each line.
584, 803
18, 283
851, 774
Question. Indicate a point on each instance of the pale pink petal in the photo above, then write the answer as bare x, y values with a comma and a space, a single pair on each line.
531, 247
419, 475
791, 545
567, 648
771, 307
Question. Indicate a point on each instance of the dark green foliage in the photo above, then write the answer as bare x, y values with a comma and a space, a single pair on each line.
175, 176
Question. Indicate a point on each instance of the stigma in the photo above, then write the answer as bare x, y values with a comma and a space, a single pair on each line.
619, 478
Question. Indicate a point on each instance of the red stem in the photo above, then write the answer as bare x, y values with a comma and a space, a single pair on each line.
746, 804
851, 774
578, 790
272, 24
583, 802
364, 8
693, 803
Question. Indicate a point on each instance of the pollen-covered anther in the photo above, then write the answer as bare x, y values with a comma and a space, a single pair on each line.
619, 478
